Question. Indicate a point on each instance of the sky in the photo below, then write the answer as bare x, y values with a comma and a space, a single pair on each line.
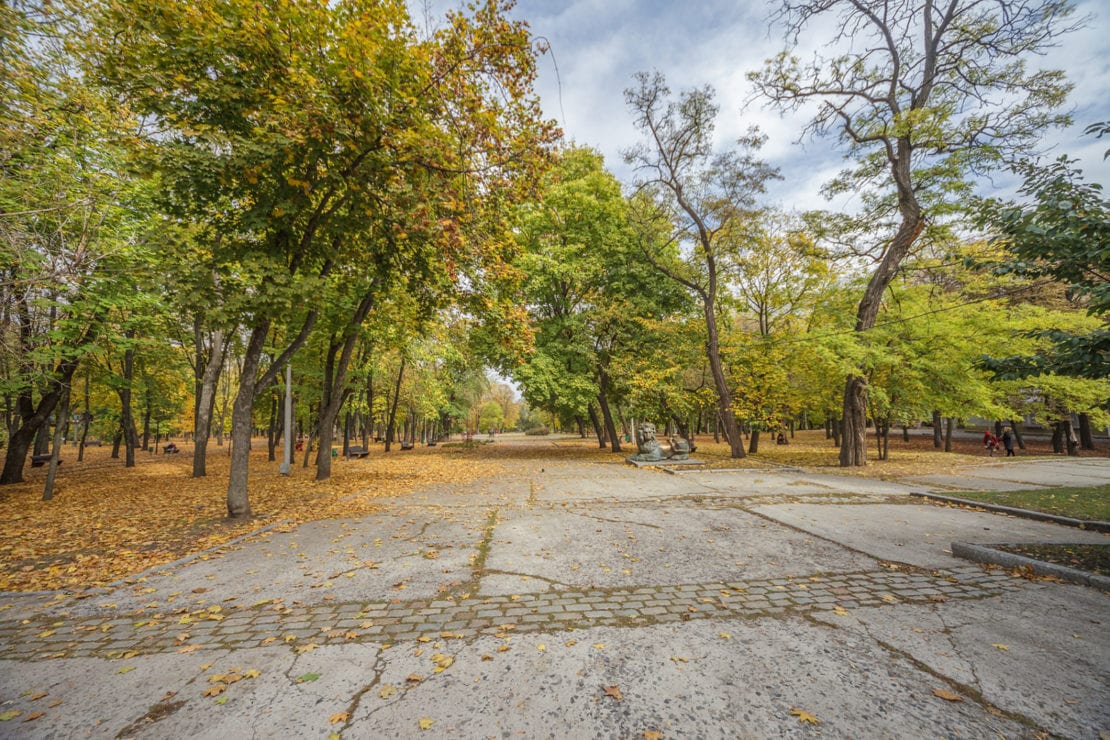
598, 45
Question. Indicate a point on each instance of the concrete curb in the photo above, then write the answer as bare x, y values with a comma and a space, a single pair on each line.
1089, 525
986, 554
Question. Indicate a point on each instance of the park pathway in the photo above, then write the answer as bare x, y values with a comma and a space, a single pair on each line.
582, 599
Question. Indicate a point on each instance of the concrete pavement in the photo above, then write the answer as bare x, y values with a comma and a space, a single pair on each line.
585, 599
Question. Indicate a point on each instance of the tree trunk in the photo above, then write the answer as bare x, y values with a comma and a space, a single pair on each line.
393, 406
724, 395
886, 440
606, 412
853, 448
1086, 439
117, 440
597, 427
853, 444
206, 401
753, 442
905, 433
836, 426
949, 427
1058, 437
938, 434
271, 429
238, 502
1070, 439
59, 436
42, 438
86, 418
1018, 436
146, 420
127, 419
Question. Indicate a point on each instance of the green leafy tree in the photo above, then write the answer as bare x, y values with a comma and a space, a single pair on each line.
925, 96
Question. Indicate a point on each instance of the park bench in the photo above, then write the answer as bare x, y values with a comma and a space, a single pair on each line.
358, 451
171, 449
406, 445
37, 461
431, 443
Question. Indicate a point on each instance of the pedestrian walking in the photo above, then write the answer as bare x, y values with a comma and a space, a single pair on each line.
1008, 441
990, 442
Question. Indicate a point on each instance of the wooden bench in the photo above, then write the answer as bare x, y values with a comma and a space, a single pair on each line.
37, 461
406, 445
358, 451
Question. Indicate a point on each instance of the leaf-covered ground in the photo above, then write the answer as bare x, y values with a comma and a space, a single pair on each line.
107, 522
1087, 558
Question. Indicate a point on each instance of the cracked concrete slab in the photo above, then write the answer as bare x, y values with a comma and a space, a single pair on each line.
610, 547
918, 534
1020, 651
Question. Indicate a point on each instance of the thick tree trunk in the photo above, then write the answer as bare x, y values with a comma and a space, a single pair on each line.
146, 420
238, 502
753, 442
117, 440
1086, 439
59, 436
393, 407
1058, 437
948, 429
1017, 434
206, 401
853, 444
1070, 440
597, 427
42, 438
905, 433
730, 427
938, 432
853, 449
606, 412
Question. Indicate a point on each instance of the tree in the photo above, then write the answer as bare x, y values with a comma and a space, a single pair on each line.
1062, 232
925, 95
700, 201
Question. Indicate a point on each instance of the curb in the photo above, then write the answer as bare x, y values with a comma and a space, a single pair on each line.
986, 554
1093, 525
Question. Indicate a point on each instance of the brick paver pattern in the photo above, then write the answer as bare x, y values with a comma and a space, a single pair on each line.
264, 623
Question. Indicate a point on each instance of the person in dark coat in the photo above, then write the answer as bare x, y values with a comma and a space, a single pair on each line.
1008, 441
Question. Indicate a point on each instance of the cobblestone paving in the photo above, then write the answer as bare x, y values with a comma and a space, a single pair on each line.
226, 627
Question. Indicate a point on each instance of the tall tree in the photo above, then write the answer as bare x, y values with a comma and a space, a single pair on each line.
700, 199
925, 95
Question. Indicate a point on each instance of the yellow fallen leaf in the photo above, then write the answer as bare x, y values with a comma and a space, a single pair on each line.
653, 735
426, 723
252, 673
9, 715
724, 635
214, 690
571, 643
32, 716
338, 717
1000, 646
804, 716
614, 692
947, 695
599, 646
189, 648
541, 647
46, 633
414, 678
126, 669
840, 611
502, 648
387, 691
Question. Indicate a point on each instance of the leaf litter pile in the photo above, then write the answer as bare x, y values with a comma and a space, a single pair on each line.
107, 522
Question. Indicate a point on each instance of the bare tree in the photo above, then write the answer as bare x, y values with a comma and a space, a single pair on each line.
699, 199
926, 94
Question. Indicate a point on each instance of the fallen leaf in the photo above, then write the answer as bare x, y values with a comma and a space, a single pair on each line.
502, 648
10, 714
214, 690
840, 611
32, 716
46, 633
36, 697
302, 649
126, 669
599, 646
947, 695
571, 643
223, 699
426, 723
541, 647
414, 678
724, 635
442, 662
614, 691
804, 716
189, 648
1000, 646
487, 656
307, 677
652, 735
338, 717
252, 673
387, 691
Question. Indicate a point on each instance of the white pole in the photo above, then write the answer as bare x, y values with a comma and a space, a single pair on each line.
287, 460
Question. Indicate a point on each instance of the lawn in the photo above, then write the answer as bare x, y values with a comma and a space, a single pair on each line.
1090, 503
